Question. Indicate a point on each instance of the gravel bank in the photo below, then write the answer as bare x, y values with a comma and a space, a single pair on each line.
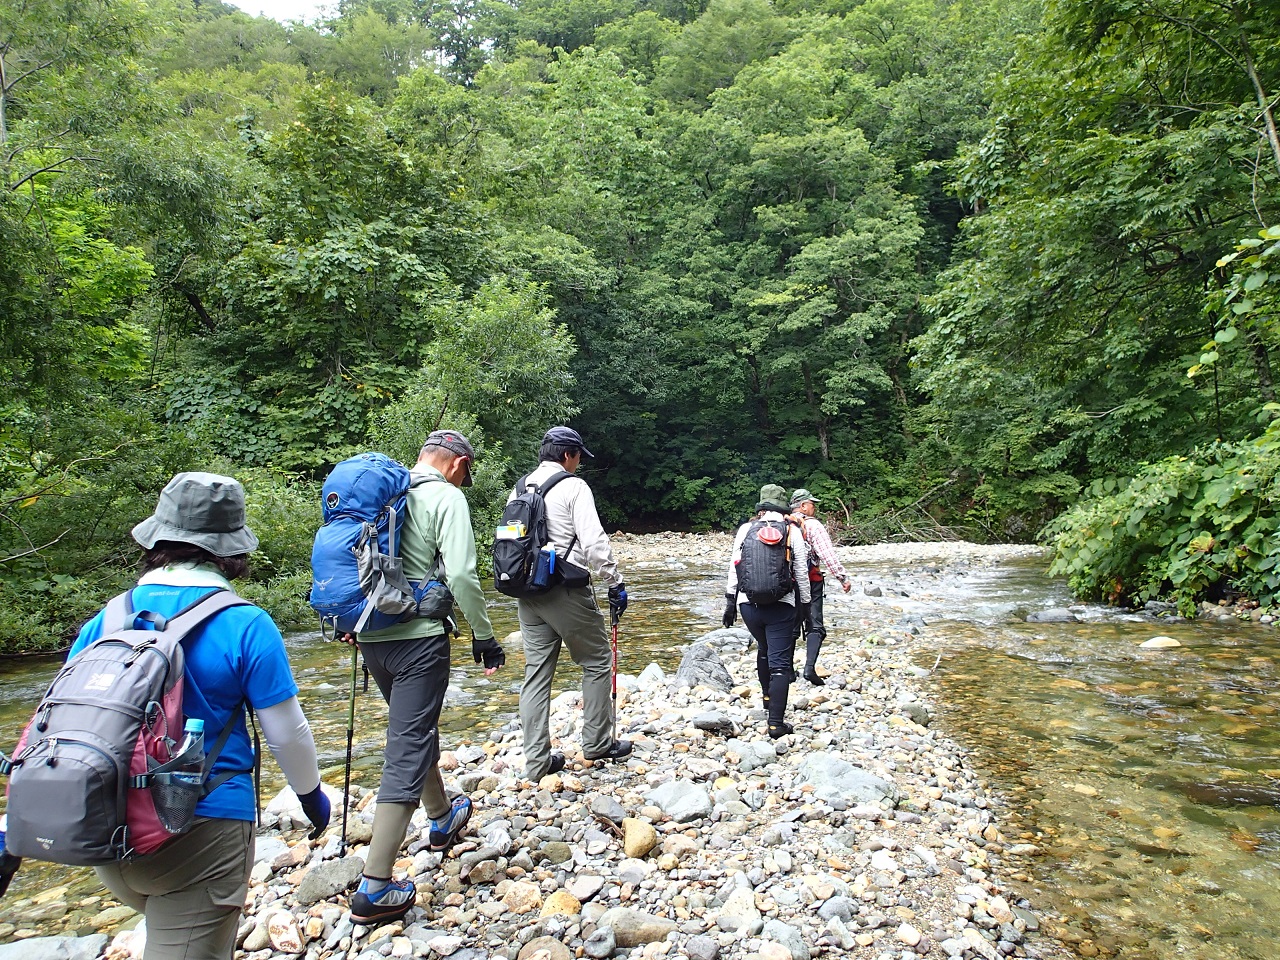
862, 835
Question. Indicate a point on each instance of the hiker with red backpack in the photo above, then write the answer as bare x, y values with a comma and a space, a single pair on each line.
559, 609
409, 661
190, 886
768, 582
810, 622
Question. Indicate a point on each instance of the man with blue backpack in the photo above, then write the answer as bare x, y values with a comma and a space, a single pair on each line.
410, 663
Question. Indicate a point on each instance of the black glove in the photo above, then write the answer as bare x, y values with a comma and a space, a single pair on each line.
489, 651
617, 601
316, 806
730, 611
9, 865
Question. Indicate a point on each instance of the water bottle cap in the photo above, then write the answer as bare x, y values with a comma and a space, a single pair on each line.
194, 725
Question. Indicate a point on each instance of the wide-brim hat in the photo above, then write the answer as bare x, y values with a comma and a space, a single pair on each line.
773, 497
455, 443
203, 509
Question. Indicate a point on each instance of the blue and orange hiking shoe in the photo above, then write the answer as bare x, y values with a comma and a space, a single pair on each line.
446, 831
391, 902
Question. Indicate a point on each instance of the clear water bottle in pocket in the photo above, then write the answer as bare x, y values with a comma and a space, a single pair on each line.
177, 785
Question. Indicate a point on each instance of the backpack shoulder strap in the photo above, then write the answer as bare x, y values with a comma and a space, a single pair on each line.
551, 481
192, 616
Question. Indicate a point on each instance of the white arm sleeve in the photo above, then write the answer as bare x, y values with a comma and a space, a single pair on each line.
288, 735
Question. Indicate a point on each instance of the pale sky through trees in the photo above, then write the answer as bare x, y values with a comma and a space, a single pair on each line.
286, 10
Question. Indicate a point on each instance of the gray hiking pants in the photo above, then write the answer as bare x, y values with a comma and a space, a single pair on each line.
565, 616
191, 890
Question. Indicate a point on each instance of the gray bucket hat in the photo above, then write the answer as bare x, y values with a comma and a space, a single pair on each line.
203, 509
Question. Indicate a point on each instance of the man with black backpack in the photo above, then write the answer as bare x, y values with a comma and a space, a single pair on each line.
769, 574
410, 663
563, 612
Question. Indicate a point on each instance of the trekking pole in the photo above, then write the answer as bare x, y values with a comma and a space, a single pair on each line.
614, 617
351, 730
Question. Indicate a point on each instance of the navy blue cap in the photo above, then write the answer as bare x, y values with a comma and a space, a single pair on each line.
567, 437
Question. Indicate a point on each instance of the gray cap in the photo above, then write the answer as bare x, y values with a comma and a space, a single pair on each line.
773, 497
801, 495
203, 509
456, 444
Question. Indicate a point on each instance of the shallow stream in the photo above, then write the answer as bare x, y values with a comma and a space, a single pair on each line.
1146, 779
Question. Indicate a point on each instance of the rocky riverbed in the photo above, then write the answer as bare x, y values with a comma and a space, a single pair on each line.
864, 834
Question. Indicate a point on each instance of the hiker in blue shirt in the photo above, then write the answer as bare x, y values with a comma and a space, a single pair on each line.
192, 889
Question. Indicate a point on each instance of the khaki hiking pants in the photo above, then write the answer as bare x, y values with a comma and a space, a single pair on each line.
191, 890
564, 616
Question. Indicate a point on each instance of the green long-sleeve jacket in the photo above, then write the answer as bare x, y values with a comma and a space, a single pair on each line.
439, 524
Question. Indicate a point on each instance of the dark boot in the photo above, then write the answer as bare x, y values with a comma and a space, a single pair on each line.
812, 644
779, 689
762, 671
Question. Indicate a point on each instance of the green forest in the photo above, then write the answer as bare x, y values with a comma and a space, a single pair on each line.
997, 269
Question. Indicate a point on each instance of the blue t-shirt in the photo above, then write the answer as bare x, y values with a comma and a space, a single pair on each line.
237, 657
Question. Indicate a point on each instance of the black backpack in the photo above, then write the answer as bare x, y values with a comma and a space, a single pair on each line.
520, 538
764, 569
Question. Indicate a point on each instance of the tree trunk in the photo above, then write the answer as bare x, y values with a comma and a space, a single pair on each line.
819, 419
1264, 101
1262, 366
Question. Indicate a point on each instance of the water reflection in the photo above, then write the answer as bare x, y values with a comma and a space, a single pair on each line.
1147, 777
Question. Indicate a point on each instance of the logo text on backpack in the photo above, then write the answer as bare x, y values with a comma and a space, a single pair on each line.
101, 681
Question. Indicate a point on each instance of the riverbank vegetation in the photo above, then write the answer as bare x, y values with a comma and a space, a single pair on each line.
948, 263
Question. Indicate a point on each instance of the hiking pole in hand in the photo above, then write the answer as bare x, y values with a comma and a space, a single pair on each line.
351, 730
614, 616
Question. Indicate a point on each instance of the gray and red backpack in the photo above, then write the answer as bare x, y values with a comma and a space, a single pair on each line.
94, 778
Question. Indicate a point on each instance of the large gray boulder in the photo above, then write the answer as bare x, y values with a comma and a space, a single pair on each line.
701, 666
834, 778
681, 800
55, 948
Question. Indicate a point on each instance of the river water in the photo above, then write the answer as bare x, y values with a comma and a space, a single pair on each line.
1147, 779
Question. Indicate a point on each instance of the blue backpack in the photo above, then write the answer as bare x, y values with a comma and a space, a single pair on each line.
358, 583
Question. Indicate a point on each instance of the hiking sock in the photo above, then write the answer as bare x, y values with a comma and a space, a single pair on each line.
372, 887
434, 800
390, 823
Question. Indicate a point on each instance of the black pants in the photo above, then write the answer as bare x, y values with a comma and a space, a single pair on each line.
811, 624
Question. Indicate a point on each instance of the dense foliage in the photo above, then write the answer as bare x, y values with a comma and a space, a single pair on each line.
945, 262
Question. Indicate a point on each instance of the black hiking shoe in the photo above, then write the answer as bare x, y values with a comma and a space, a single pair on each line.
780, 729
617, 750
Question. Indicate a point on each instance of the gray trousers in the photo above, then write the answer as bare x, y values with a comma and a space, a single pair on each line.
565, 616
412, 676
191, 890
